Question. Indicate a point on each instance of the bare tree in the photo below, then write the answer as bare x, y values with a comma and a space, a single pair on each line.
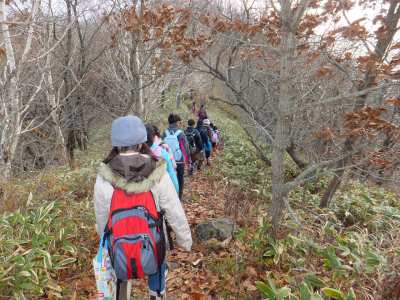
13, 109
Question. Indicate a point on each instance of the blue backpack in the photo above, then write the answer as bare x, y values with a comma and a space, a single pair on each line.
171, 139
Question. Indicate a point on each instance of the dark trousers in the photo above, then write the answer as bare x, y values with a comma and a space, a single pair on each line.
197, 159
180, 172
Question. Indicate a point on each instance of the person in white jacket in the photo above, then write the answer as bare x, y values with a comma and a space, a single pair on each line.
132, 167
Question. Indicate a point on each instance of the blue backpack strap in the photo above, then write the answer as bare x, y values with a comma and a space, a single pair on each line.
177, 133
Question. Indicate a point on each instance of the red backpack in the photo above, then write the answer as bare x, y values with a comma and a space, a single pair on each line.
136, 235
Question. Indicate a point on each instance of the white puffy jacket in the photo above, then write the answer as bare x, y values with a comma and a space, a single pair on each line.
165, 196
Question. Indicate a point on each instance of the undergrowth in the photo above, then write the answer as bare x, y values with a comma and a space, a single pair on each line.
344, 252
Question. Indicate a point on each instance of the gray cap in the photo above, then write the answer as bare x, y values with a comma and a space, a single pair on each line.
206, 122
128, 131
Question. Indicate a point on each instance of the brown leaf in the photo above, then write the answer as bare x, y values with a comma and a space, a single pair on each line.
249, 285
197, 296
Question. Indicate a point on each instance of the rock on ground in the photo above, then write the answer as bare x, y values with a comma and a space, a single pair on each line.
220, 229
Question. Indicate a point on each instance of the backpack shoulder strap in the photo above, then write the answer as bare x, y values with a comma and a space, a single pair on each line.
177, 133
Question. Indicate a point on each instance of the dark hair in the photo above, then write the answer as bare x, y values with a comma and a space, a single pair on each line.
115, 151
152, 131
146, 150
150, 134
172, 118
191, 122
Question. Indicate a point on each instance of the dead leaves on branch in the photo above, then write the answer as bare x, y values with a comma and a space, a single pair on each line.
171, 28
368, 122
394, 101
326, 135
166, 26
383, 158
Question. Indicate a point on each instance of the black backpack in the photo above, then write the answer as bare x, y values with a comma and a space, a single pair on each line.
191, 138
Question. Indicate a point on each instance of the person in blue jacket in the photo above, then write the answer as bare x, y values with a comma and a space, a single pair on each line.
205, 134
161, 151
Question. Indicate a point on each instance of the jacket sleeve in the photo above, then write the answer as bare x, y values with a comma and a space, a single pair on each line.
169, 201
102, 195
204, 137
184, 147
199, 141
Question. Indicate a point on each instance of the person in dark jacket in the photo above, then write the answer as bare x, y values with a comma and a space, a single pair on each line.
205, 134
176, 140
195, 143
202, 114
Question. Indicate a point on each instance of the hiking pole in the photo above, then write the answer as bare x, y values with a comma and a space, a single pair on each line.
170, 240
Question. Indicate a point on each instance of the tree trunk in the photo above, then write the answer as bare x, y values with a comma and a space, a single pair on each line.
291, 150
278, 179
70, 113
332, 188
76, 126
140, 104
51, 98
178, 99
11, 123
282, 129
135, 103
163, 99
81, 131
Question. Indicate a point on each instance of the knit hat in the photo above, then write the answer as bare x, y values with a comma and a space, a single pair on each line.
206, 122
128, 131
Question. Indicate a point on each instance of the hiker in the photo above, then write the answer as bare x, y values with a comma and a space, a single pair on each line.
193, 100
193, 107
131, 184
202, 113
215, 136
205, 134
175, 138
195, 146
162, 151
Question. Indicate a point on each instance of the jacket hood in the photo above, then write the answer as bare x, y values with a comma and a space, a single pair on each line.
134, 181
134, 167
